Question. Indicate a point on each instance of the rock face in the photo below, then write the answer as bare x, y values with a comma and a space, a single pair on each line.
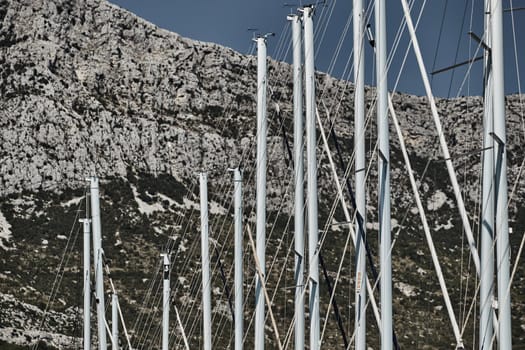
87, 88
90, 88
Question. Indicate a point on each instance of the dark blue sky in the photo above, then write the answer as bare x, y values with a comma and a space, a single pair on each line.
226, 22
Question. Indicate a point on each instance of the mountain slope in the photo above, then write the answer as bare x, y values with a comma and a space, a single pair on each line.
87, 88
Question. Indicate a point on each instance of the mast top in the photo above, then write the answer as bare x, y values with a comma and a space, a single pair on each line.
165, 258
263, 36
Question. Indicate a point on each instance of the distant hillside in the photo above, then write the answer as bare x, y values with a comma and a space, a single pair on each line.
88, 88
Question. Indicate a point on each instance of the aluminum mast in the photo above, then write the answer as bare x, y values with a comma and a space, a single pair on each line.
486, 290
500, 180
385, 257
166, 291
311, 161
87, 285
238, 246
206, 280
97, 253
260, 232
360, 195
298, 179
114, 320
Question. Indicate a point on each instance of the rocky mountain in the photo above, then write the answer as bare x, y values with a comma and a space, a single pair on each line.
88, 88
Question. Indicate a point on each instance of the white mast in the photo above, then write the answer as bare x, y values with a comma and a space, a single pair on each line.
206, 280
97, 253
359, 146
311, 143
114, 320
165, 300
486, 290
385, 257
239, 315
87, 285
500, 180
261, 189
299, 179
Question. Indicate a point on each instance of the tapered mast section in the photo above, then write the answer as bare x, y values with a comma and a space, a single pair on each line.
298, 179
385, 257
359, 146
486, 290
97, 253
206, 280
311, 144
260, 232
114, 320
87, 284
500, 179
166, 291
238, 246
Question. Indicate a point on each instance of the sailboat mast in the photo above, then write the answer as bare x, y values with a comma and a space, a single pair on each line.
165, 300
261, 190
114, 320
298, 179
359, 146
238, 245
385, 257
205, 256
87, 284
500, 180
486, 290
311, 161
97, 253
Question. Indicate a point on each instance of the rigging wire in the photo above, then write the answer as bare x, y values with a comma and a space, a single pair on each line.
321, 260
517, 67
223, 128
457, 47
187, 260
66, 254
463, 301
443, 16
